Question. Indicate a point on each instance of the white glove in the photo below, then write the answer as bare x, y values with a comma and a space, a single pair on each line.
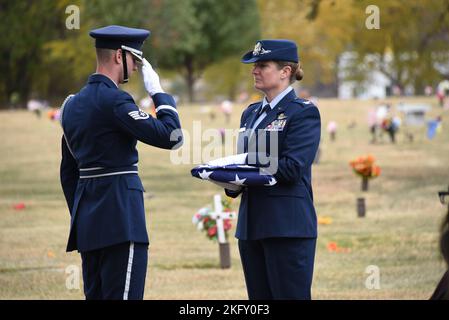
150, 78
234, 159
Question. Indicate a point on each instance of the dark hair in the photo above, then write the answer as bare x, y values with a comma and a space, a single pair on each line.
444, 238
297, 72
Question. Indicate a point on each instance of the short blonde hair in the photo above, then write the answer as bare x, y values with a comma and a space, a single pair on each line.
104, 55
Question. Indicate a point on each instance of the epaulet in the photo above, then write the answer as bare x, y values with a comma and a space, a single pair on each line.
253, 104
61, 109
303, 102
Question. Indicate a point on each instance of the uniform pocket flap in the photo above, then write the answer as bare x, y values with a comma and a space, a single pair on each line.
133, 182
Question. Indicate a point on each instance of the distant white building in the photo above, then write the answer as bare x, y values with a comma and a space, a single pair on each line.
376, 85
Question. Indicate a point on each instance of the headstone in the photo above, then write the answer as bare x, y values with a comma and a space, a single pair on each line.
361, 207
414, 114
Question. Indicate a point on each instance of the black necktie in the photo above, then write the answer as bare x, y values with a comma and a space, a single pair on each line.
266, 108
263, 109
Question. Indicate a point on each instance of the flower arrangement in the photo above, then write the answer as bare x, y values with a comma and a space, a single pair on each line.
364, 166
204, 220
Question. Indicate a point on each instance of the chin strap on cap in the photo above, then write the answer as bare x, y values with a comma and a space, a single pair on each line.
125, 67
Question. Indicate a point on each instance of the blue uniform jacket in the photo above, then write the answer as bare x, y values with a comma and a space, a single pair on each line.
285, 209
101, 125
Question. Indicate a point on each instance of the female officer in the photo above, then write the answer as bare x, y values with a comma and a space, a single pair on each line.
277, 227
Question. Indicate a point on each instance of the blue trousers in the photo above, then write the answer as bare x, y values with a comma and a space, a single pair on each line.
278, 268
116, 272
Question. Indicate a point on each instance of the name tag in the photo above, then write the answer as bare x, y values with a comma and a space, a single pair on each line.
242, 129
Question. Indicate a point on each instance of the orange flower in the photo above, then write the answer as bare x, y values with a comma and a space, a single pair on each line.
324, 220
370, 159
376, 171
332, 246
364, 166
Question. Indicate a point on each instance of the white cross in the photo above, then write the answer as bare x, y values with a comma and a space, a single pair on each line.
218, 215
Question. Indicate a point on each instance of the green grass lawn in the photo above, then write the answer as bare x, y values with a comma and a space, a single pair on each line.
399, 235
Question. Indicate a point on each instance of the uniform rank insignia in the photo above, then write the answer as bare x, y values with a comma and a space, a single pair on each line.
282, 116
258, 49
139, 115
277, 125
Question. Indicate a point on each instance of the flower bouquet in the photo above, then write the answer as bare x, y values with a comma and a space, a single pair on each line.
364, 167
205, 220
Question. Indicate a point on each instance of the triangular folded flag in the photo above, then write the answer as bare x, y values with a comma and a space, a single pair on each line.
234, 176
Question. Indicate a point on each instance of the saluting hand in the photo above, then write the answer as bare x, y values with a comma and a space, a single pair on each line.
150, 78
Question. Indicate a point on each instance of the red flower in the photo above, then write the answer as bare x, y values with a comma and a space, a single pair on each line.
212, 231
227, 224
19, 206
333, 247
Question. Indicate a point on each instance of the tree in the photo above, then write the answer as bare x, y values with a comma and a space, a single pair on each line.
26, 26
41, 56
189, 35
228, 77
321, 30
71, 57
410, 43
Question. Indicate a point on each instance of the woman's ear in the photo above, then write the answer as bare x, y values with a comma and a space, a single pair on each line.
286, 72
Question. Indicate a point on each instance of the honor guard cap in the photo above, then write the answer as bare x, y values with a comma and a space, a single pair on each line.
277, 50
114, 37
118, 37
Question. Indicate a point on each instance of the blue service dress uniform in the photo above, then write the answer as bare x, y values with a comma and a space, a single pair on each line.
277, 225
99, 173
99, 167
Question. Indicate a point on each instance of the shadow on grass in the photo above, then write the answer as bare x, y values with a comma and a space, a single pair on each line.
189, 265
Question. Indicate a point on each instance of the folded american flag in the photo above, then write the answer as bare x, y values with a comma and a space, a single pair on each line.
234, 176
